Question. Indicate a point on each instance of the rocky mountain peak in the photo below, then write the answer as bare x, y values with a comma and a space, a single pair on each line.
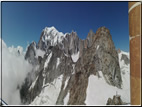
30, 54
50, 36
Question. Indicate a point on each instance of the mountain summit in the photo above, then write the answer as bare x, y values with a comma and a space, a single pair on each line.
64, 64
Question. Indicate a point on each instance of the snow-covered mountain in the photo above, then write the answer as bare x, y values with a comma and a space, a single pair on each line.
74, 71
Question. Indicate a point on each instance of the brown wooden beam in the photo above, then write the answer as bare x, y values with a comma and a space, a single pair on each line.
135, 53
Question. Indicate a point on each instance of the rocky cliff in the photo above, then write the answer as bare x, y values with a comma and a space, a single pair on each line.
64, 64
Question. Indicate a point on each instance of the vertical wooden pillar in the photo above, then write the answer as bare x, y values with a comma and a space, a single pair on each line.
135, 51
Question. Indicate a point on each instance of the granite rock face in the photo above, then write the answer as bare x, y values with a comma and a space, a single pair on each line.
30, 54
96, 53
107, 57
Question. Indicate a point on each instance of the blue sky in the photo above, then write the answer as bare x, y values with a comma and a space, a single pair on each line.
23, 22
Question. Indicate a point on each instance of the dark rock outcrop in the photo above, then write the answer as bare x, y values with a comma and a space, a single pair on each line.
126, 59
30, 53
115, 101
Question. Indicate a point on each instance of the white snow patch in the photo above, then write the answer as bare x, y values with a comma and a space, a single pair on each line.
73, 65
58, 62
66, 82
39, 52
98, 47
43, 39
47, 60
33, 84
66, 99
43, 83
75, 57
66, 55
49, 94
98, 91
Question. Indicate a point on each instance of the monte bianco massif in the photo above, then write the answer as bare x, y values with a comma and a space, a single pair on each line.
67, 70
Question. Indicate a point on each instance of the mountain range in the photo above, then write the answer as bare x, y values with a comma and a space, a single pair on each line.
70, 71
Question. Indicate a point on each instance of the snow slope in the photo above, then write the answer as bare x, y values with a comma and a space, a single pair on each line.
50, 93
98, 91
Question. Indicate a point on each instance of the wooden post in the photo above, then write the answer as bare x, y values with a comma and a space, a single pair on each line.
135, 51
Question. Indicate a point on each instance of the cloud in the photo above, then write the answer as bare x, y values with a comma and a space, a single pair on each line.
14, 71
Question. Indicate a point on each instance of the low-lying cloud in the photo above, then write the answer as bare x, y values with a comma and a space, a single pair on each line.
14, 71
